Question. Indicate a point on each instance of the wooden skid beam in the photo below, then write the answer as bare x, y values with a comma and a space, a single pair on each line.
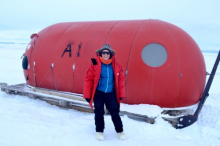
63, 99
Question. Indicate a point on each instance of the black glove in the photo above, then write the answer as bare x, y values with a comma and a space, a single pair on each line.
120, 98
88, 100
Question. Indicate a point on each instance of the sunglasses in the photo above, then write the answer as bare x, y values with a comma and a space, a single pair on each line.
103, 53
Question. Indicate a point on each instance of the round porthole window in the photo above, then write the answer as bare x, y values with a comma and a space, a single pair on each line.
154, 55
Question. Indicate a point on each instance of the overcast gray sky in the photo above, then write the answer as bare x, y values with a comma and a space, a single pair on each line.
200, 18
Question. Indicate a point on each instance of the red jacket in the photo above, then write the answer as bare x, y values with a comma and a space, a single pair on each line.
92, 80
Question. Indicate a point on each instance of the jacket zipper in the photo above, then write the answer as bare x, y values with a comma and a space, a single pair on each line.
107, 79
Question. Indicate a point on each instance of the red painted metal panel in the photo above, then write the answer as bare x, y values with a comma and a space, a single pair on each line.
92, 40
192, 68
44, 52
33, 45
64, 61
153, 85
121, 37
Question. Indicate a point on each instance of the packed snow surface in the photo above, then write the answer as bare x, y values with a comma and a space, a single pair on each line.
29, 122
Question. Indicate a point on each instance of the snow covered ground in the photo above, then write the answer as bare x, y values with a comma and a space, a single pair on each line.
29, 122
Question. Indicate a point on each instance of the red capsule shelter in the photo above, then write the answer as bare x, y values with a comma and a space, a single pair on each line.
163, 65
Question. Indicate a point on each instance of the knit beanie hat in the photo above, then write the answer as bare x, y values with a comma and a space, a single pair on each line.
106, 47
